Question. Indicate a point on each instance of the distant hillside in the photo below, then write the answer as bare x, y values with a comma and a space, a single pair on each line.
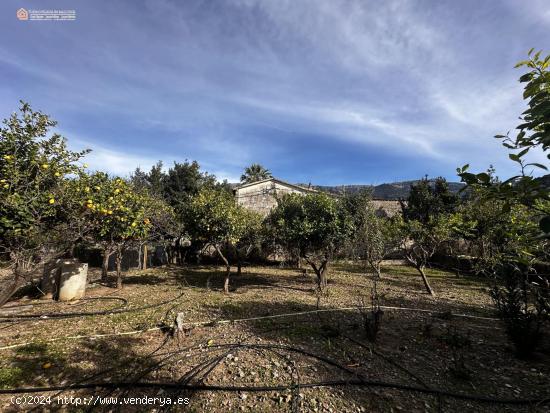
395, 190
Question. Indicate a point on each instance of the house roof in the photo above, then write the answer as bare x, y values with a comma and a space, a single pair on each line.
277, 181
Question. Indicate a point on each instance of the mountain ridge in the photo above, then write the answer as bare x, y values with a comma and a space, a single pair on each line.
385, 191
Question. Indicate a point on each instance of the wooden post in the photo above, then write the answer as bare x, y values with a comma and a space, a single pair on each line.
145, 256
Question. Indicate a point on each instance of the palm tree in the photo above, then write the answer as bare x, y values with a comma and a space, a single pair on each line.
255, 172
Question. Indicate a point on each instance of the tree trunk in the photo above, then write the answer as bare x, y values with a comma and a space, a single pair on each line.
425, 279
140, 257
378, 270
6, 294
144, 267
321, 273
239, 262
118, 268
105, 265
323, 276
227, 270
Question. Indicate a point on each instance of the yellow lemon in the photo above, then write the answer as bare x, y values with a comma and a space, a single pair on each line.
57, 174
134, 224
6, 186
85, 165
45, 166
51, 201
7, 157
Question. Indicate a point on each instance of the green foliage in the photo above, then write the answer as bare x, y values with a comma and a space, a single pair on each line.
213, 217
523, 206
496, 234
427, 200
35, 168
519, 305
377, 237
116, 212
534, 131
182, 182
429, 220
313, 225
254, 173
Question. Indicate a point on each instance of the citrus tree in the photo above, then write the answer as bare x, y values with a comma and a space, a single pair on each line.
214, 219
428, 220
37, 223
117, 214
377, 238
522, 294
422, 239
314, 225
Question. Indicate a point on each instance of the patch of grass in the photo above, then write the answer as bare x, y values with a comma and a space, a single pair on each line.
32, 349
406, 270
12, 376
301, 331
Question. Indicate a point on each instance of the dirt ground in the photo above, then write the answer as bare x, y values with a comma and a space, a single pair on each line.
416, 352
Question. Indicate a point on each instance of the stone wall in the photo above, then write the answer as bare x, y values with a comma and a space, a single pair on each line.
261, 196
386, 208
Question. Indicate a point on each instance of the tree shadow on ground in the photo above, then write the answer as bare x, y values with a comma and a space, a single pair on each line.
418, 342
208, 277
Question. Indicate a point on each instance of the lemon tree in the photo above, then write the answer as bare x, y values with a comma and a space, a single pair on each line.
36, 221
117, 214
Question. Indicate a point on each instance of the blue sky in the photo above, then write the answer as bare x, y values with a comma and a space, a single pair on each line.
328, 92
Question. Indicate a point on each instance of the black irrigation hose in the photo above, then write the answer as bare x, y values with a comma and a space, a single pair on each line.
387, 359
49, 316
328, 383
360, 381
19, 317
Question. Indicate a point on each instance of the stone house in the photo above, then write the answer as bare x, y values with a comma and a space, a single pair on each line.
261, 196
386, 207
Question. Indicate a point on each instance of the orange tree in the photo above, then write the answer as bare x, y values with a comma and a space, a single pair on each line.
315, 225
116, 213
37, 223
214, 219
